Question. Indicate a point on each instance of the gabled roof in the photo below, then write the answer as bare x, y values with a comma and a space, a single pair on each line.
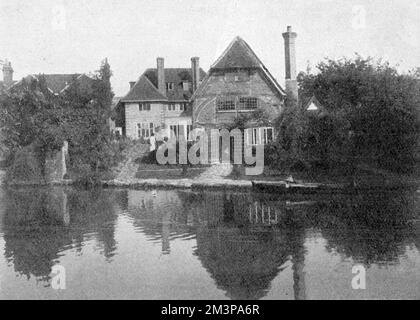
239, 55
144, 90
312, 105
57, 83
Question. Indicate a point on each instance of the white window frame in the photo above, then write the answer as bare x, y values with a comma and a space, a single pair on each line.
144, 106
148, 128
179, 127
258, 135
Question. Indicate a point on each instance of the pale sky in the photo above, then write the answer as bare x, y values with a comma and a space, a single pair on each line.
73, 36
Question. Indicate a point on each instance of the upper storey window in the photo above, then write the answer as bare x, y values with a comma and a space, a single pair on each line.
225, 104
144, 107
170, 86
236, 104
185, 86
247, 103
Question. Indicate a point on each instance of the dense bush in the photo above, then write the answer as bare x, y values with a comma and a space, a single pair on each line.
370, 115
25, 167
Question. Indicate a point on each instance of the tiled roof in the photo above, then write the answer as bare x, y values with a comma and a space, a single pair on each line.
57, 83
148, 90
239, 55
144, 90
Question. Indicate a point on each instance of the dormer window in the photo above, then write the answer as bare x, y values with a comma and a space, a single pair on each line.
171, 107
170, 86
185, 86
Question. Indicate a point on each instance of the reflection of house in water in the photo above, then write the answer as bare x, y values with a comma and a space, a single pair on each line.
240, 250
39, 224
160, 215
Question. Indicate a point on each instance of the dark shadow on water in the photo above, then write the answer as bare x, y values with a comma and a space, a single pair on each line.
38, 224
243, 240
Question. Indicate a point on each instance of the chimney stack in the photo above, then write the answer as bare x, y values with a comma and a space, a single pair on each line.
290, 57
7, 73
161, 75
195, 72
132, 83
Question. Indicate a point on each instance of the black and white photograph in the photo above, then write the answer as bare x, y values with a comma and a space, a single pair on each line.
226, 152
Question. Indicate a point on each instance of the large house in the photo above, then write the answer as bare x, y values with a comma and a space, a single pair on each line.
176, 100
159, 102
239, 83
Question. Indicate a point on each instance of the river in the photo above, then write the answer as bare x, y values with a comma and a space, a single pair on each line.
172, 244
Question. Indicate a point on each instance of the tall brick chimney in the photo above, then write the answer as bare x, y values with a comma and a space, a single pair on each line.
290, 57
195, 72
7, 73
161, 75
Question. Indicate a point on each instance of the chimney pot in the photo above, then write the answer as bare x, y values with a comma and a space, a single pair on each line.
290, 64
7, 73
132, 83
161, 75
195, 72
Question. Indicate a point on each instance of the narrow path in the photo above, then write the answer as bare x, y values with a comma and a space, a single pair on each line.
126, 170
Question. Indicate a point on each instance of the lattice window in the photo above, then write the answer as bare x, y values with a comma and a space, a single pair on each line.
225, 104
247, 103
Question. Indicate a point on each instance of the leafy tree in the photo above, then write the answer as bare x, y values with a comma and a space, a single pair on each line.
31, 115
372, 113
91, 143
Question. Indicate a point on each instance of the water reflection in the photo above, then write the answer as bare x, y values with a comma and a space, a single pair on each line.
243, 241
40, 224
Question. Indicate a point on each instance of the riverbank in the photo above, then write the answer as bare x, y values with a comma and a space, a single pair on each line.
210, 180
277, 187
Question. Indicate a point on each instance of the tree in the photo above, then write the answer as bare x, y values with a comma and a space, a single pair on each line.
371, 107
31, 115
89, 133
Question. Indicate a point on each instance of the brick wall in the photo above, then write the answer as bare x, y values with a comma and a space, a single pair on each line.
218, 85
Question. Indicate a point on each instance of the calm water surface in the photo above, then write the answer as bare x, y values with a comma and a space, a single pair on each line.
160, 244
